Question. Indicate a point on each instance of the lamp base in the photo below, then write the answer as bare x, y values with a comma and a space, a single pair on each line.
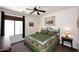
66, 36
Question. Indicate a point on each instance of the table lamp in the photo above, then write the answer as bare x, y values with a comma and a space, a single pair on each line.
67, 34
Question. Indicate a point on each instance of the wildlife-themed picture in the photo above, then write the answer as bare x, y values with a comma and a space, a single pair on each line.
31, 24
50, 21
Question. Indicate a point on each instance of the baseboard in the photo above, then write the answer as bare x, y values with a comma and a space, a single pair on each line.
16, 42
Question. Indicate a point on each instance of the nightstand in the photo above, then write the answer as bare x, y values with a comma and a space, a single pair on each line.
67, 39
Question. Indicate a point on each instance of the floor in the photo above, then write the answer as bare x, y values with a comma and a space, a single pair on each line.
20, 47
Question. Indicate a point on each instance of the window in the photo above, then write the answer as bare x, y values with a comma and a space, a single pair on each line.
13, 27
18, 27
9, 28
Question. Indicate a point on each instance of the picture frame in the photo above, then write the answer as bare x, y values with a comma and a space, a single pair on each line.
31, 24
50, 21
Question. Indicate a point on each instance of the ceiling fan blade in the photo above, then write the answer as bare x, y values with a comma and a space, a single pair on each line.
35, 8
41, 11
38, 13
32, 12
28, 9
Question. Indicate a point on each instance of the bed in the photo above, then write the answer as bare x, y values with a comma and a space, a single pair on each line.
43, 41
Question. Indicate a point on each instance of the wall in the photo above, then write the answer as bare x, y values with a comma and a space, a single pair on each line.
78, 30
0, 23
31, 30
63, 19
78, 11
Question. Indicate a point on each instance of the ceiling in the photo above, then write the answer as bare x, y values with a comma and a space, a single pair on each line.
48, 9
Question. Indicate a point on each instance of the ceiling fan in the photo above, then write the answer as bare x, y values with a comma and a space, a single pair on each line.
36, 9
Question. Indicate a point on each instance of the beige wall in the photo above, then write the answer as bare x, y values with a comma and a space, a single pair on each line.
31, 30
78, 28
78, 31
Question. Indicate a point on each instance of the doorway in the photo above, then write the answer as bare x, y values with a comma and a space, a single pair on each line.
13, 29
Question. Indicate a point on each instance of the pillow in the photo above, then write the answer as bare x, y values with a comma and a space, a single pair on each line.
51, 29
44, 31
51, 33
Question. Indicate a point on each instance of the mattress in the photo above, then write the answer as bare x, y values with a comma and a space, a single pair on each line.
41, 36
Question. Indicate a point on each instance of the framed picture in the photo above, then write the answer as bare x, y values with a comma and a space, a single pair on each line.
50, 21
31, 24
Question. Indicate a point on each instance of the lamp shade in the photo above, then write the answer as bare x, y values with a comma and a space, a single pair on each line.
67, 34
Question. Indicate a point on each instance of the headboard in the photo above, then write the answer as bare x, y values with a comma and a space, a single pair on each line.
52, 30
